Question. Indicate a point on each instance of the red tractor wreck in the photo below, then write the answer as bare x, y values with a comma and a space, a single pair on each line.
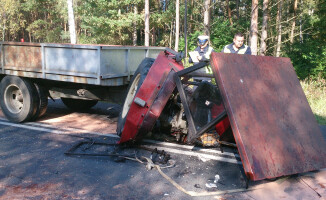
257, 100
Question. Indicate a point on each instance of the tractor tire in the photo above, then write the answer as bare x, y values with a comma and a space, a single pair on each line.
78, 104
43, 101
135, 83
18, 98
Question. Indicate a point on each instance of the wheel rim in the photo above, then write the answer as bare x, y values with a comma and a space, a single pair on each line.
130, 96
13, 98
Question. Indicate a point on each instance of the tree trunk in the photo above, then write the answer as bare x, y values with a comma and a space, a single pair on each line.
4, 30
229, 11
295, 6
177, 25
134, 25
279, 29
146, 22
153, 36
264, 29
191, 17
71, 21
254, 27
206, 16
170, 38
119, 29
301, 36
237, 7
186, 28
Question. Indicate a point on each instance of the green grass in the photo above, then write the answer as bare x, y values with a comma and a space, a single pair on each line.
315, 90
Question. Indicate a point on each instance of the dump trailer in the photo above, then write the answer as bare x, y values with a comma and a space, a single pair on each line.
257, 100
80, 75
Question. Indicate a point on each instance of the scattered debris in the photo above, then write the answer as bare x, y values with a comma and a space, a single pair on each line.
209, 139
217, 178
211, 185
162, 156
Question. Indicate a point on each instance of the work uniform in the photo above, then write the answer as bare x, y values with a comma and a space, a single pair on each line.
205, 54
244, 49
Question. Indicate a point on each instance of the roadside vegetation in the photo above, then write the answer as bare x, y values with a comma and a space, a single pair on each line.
315, 90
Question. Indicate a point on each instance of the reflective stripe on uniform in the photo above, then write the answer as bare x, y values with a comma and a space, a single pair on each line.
243, 50
208, 55
240, 51
226, 49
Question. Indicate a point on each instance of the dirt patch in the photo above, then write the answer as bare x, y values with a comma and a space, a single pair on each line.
33, 191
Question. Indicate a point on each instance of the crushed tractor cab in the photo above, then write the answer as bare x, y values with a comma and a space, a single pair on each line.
257, 101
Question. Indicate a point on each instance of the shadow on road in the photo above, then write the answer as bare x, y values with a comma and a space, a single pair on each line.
33, 166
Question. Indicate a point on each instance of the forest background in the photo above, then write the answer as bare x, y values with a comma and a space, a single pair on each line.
287, 28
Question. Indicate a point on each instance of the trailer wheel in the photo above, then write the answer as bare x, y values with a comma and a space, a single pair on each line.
135, 83
43, 101
78, 104
18, 98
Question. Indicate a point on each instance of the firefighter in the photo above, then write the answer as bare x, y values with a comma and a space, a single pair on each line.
237, 46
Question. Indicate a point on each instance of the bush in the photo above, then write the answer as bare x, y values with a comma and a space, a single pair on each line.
308, 58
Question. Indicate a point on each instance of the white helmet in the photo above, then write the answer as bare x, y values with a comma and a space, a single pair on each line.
202, 39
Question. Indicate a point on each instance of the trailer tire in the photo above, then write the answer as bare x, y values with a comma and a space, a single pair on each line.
43, 101
135, 83
18, 98
78, 104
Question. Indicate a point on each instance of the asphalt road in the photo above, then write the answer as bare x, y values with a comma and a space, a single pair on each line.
33, 164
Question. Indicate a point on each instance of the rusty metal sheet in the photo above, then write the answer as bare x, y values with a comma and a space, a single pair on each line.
273, 125
28, 58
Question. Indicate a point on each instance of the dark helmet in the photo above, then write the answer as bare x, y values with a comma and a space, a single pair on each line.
202, 40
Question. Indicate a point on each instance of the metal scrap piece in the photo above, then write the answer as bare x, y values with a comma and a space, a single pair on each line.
274, 128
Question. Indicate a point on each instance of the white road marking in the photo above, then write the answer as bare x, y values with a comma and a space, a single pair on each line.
200, 155
187, 149
31, 127
191, 147
49, 128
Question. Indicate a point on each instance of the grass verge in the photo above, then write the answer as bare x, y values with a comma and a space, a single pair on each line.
315, 90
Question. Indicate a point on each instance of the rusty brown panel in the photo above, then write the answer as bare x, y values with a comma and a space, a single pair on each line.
273, 125
22, 44
74, 79
80, 79
23, 73
23, 57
